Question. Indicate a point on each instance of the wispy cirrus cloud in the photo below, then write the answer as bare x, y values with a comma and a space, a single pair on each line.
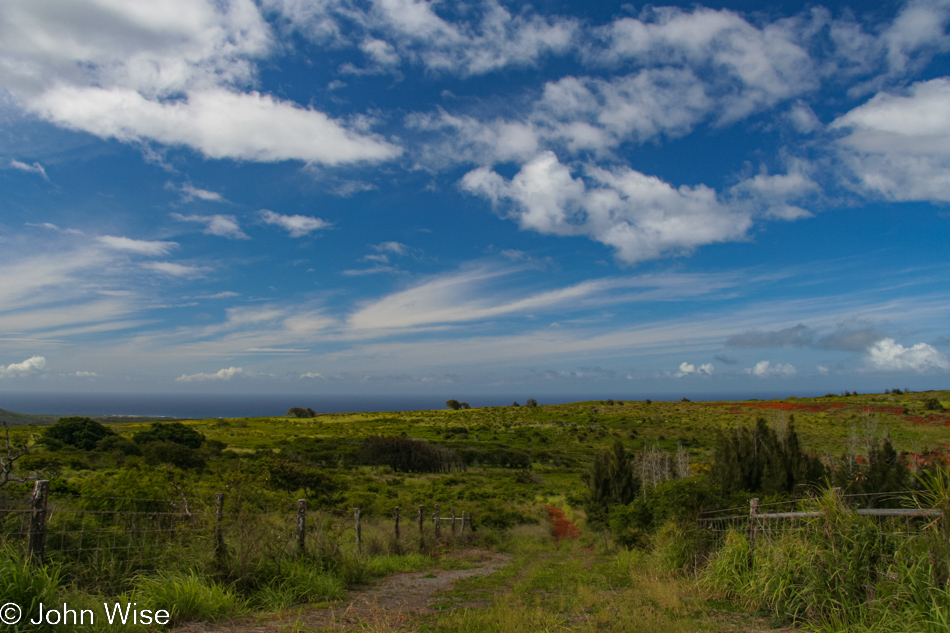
218, 224
296, 225
34, 168
176, 270
141, 247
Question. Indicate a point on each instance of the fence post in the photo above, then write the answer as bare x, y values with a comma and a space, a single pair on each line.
359, 533
37, 544
421, 524
397, 523
301, 527
453, 521
462, 531
438, 517
219, 550
753, 522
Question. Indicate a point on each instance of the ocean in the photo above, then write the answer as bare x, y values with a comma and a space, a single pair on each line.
247, 405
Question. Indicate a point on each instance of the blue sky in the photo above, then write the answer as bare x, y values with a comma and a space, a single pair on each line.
401, 196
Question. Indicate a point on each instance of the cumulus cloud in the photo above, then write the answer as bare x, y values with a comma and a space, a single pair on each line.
640, 216
296, 225
765, 369
688, 369
167, 73
221, 374
29, 367
898, 145
216, 122
142, 247
758, 66
888, 355
477, 39
221, 225
35, 168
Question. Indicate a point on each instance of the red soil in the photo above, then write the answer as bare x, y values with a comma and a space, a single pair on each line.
561, 525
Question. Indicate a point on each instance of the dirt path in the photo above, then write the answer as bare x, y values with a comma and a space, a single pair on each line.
388, 604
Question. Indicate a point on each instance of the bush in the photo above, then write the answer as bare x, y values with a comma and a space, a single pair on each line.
174, 454
83, 433
170, 432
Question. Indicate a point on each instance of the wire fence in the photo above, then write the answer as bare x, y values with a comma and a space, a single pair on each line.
102, 542
893, 514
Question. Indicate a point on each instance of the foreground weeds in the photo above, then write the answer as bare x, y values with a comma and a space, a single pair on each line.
840, 572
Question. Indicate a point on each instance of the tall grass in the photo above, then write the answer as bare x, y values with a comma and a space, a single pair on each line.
840, 572
26, 586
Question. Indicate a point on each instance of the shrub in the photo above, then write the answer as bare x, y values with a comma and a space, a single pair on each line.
174, 454
170, 432
83, 433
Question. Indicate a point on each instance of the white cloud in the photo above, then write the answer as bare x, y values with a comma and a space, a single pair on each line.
919, 27
221, 225
176, 270
688, 369
227, 294
822, 370
898, 145
221, 374
764, 369
296, 225
887, 355
772, 195
190, 193
141, 247
85, 374
749, 68
166, 71
35, 168
216, 122
396, 248
31, 366
641, 216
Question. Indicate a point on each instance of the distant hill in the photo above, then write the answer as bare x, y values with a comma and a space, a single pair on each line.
24, 419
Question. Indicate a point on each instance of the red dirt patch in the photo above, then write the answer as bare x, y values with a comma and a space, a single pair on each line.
561, 525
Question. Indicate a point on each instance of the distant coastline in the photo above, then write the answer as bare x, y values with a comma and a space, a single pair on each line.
246, 405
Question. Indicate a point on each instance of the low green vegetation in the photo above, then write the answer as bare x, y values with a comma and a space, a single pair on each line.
136, 514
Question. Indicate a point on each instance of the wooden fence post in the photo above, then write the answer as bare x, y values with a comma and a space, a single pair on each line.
359, 533
421, 524
438, 517
220, 552
37, 544
397, 523
462, 531
753, 522
301, 527
453, 521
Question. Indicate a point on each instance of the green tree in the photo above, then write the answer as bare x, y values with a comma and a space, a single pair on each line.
175, 432
79, 432
453, 404
610, 482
